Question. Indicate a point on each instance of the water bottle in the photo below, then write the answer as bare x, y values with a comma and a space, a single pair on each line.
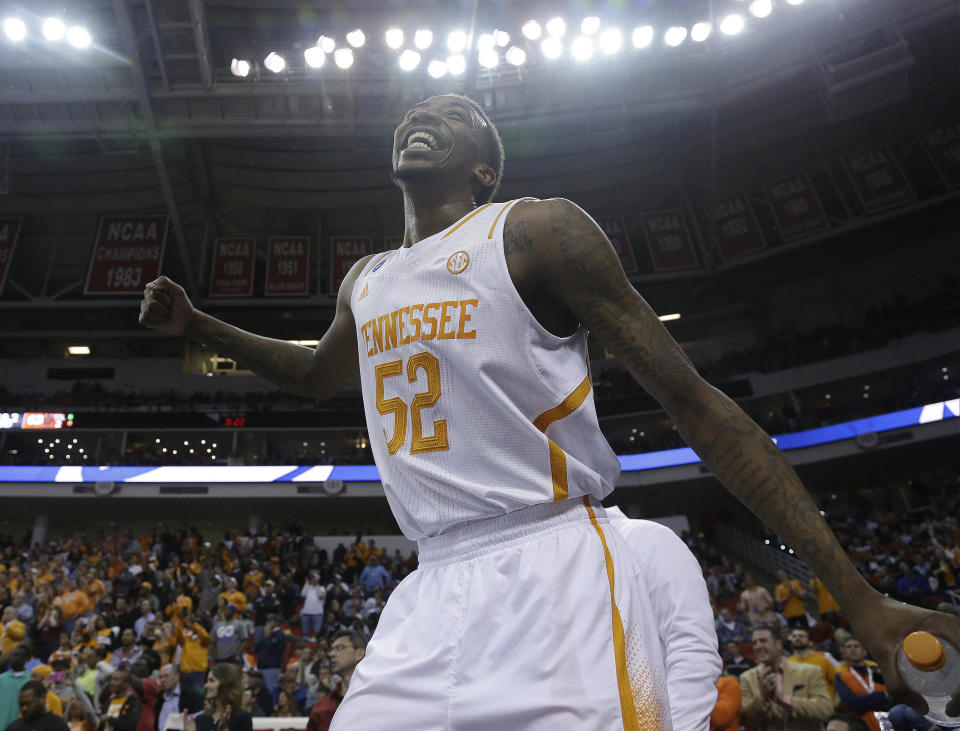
931, 667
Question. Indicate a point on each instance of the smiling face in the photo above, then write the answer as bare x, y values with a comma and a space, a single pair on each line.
441, 138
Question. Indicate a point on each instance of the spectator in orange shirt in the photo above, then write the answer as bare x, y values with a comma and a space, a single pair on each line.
726, 713
791, 594
233, 596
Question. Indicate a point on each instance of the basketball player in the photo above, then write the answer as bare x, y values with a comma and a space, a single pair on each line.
470, 340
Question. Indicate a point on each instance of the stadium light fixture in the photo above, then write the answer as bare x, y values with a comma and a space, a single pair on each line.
54, 29
795, 2
642, 36
313, 56
501, 37
700, 31
675, 35
531, 30
760, 8
275, 62
437, 68
515, 56
241, 68
556, 27
668, 318
488, 58
582, 48
78, 349
456, 41
356, 38
15, 29
610, 41
78, 37
732, 24
486, 41
552, 47
409, 60
590, 25
456, 64
393, 38
343, 57
423, 38
326, 44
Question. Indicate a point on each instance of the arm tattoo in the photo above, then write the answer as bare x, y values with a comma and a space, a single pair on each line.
515, 238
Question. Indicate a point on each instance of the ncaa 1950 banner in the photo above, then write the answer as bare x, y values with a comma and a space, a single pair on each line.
232, 270
127, 253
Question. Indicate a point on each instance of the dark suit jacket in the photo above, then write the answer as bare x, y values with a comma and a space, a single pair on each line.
189, 701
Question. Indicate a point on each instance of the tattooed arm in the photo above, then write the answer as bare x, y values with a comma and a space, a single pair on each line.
317, 373
570, 258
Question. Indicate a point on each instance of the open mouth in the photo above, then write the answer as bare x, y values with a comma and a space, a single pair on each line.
422, 140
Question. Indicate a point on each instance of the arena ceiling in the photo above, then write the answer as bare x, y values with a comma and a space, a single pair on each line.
151, 119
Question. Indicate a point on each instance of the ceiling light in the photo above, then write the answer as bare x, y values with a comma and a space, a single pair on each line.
610, 41
667, 318
437, 68
456, 64
515, 56
78, 349
590, 25
552, 47
53, 29
675, 35
343, 57
582, 48
795, 2
700, 32
761, 8
642, 36
78, 37
15, 29
556, 27
486, 41
275, 62
315, 57
326, 43
239, 67
488, 58
394, 38
732, 24
456, 41
531, 30
409, 60
356, 38
423, 38
501, 37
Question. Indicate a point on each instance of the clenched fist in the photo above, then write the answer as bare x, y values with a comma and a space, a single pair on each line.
165, 307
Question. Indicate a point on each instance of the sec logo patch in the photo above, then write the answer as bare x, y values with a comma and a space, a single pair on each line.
458, 261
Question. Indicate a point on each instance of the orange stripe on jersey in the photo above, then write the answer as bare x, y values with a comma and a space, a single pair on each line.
558, 460
465, 219
502, 211
628, 706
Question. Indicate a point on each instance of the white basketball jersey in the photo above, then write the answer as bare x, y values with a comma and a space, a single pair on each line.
473, 409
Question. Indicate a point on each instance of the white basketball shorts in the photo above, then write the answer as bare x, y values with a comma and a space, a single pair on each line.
532, 620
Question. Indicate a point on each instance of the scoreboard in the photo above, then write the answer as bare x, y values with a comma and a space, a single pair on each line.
35, 420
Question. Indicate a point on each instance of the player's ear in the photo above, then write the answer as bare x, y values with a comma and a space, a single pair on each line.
484, 176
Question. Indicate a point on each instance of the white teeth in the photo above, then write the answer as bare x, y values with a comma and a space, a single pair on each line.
418, 146
424, 139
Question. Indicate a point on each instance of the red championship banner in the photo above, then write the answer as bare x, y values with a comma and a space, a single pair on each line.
735, 226
668, 240
879, 181
943, 146
9, 231
232, 270
616, 230
126, 255
796, 206
288, 266
345, 251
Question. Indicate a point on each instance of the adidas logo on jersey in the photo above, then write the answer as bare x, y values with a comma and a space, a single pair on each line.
364, 292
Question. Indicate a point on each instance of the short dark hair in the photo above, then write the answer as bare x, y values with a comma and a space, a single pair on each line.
491, 148
771, 628
36, 686
358, 640
853, 723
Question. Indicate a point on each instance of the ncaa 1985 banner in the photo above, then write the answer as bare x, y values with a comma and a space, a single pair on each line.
127, 253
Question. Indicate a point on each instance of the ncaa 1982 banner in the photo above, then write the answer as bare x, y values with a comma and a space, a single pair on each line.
127, 254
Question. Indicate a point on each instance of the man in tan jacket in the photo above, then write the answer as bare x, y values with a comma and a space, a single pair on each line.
779, 695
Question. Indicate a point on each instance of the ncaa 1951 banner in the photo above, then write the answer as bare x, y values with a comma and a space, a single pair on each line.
345, 251
127, 253
288, 266
9, 231
232, 274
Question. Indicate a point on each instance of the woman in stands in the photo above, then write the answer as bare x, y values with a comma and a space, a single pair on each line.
224, 697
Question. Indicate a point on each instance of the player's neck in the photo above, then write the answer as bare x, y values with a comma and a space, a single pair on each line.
427, 212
